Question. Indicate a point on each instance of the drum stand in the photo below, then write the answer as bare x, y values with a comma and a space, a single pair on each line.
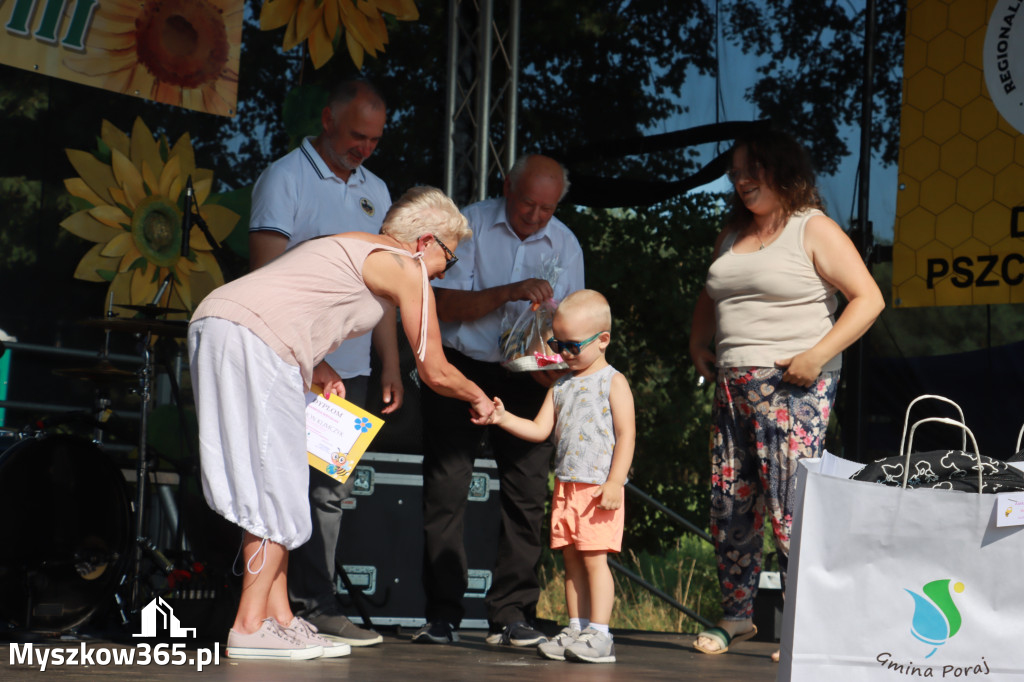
141, 472
142, 544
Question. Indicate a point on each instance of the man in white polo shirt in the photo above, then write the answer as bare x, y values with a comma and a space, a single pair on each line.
322, 188
499, 273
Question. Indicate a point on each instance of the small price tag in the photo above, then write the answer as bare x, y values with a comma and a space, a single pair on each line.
1010, 509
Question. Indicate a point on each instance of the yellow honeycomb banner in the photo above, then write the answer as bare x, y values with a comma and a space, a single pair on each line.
959, 234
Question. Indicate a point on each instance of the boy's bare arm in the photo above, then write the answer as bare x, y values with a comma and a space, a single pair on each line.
535, 431
620, 398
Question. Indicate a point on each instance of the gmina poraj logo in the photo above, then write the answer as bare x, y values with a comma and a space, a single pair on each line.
159, 612
936, 617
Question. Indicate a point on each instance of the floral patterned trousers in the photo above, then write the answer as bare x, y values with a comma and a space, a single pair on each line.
761, 427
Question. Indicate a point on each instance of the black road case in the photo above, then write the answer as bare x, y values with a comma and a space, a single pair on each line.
381, 544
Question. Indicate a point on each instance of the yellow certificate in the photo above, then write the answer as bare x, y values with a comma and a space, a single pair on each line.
337, 433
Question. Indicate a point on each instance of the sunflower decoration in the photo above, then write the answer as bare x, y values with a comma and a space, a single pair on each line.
180, 52
129, 193
322, 22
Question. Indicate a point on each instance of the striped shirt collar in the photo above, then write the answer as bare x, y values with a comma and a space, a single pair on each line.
321, 168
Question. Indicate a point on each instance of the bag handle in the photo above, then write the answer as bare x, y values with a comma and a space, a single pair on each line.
1019, 437
951, 422
928, 396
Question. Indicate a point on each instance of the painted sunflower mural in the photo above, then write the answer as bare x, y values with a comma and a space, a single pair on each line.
129, 194
322, 23
180, 52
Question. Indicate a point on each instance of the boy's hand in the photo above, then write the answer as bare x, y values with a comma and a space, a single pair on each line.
611, 495
499, 411
494, 417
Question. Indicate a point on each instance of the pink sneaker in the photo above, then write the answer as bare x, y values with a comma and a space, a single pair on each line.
271, 641
308, 633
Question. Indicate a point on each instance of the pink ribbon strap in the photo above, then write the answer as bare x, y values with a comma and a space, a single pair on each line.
544, 360
421, 351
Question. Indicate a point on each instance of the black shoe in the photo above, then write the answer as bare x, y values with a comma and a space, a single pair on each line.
436, 632
334, 625
517, 634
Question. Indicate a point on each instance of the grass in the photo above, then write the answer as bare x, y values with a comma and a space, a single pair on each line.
686, 573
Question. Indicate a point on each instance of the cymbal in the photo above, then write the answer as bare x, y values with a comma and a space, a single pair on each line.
151, 310
177, 328
101, 373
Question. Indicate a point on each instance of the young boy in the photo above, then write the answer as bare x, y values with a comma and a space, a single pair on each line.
591, 412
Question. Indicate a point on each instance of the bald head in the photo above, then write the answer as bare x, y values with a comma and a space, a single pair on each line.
588, 311
533, 188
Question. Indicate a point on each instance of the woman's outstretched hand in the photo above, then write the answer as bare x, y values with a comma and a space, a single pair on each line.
481, 411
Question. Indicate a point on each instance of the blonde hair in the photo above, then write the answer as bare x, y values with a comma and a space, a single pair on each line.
425, 210
591, 305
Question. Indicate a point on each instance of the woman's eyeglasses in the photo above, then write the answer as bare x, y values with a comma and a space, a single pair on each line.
450, 258
737, 174
574, 347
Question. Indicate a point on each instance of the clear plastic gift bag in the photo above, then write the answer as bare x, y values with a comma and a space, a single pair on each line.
524, 346
523, 342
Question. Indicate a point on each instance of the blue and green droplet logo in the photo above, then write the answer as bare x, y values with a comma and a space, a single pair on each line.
936, 617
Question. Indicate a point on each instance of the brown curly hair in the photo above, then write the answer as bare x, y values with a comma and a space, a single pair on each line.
788, 172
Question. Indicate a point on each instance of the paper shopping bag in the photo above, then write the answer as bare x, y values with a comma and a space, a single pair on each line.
891, 583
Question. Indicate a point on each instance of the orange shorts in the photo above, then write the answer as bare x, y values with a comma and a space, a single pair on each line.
576, 520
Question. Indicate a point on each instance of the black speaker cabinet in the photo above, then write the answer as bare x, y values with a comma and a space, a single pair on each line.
381, 544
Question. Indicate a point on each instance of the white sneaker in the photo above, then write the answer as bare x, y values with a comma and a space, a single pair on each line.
271, 641
308, 633
554, 648
592, 646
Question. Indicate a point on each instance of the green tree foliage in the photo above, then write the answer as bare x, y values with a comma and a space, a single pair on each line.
650, 263
603, 71
811, 69
590, 72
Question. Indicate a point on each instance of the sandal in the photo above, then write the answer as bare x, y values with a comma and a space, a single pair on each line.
723, 638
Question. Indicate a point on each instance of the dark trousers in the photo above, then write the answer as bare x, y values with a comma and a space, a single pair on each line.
311, 566
451, 443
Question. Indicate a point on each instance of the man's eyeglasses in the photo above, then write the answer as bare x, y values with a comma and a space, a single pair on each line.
450, 258
574, 347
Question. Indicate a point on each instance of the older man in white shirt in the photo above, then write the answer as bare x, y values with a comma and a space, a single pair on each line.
515, 241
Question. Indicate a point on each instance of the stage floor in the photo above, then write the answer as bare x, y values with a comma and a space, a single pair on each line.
641, 656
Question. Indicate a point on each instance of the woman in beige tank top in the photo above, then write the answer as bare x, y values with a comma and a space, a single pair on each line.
768, 307
257, 343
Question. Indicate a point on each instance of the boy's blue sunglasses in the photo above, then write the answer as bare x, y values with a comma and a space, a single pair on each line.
574, 347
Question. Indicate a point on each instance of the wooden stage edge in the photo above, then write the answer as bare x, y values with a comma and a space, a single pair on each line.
640, 656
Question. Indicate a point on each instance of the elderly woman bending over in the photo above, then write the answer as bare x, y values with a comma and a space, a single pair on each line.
256, 345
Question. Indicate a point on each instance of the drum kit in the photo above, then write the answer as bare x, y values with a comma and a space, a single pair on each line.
73, 541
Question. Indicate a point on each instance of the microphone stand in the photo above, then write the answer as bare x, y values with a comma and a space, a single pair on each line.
193, 217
